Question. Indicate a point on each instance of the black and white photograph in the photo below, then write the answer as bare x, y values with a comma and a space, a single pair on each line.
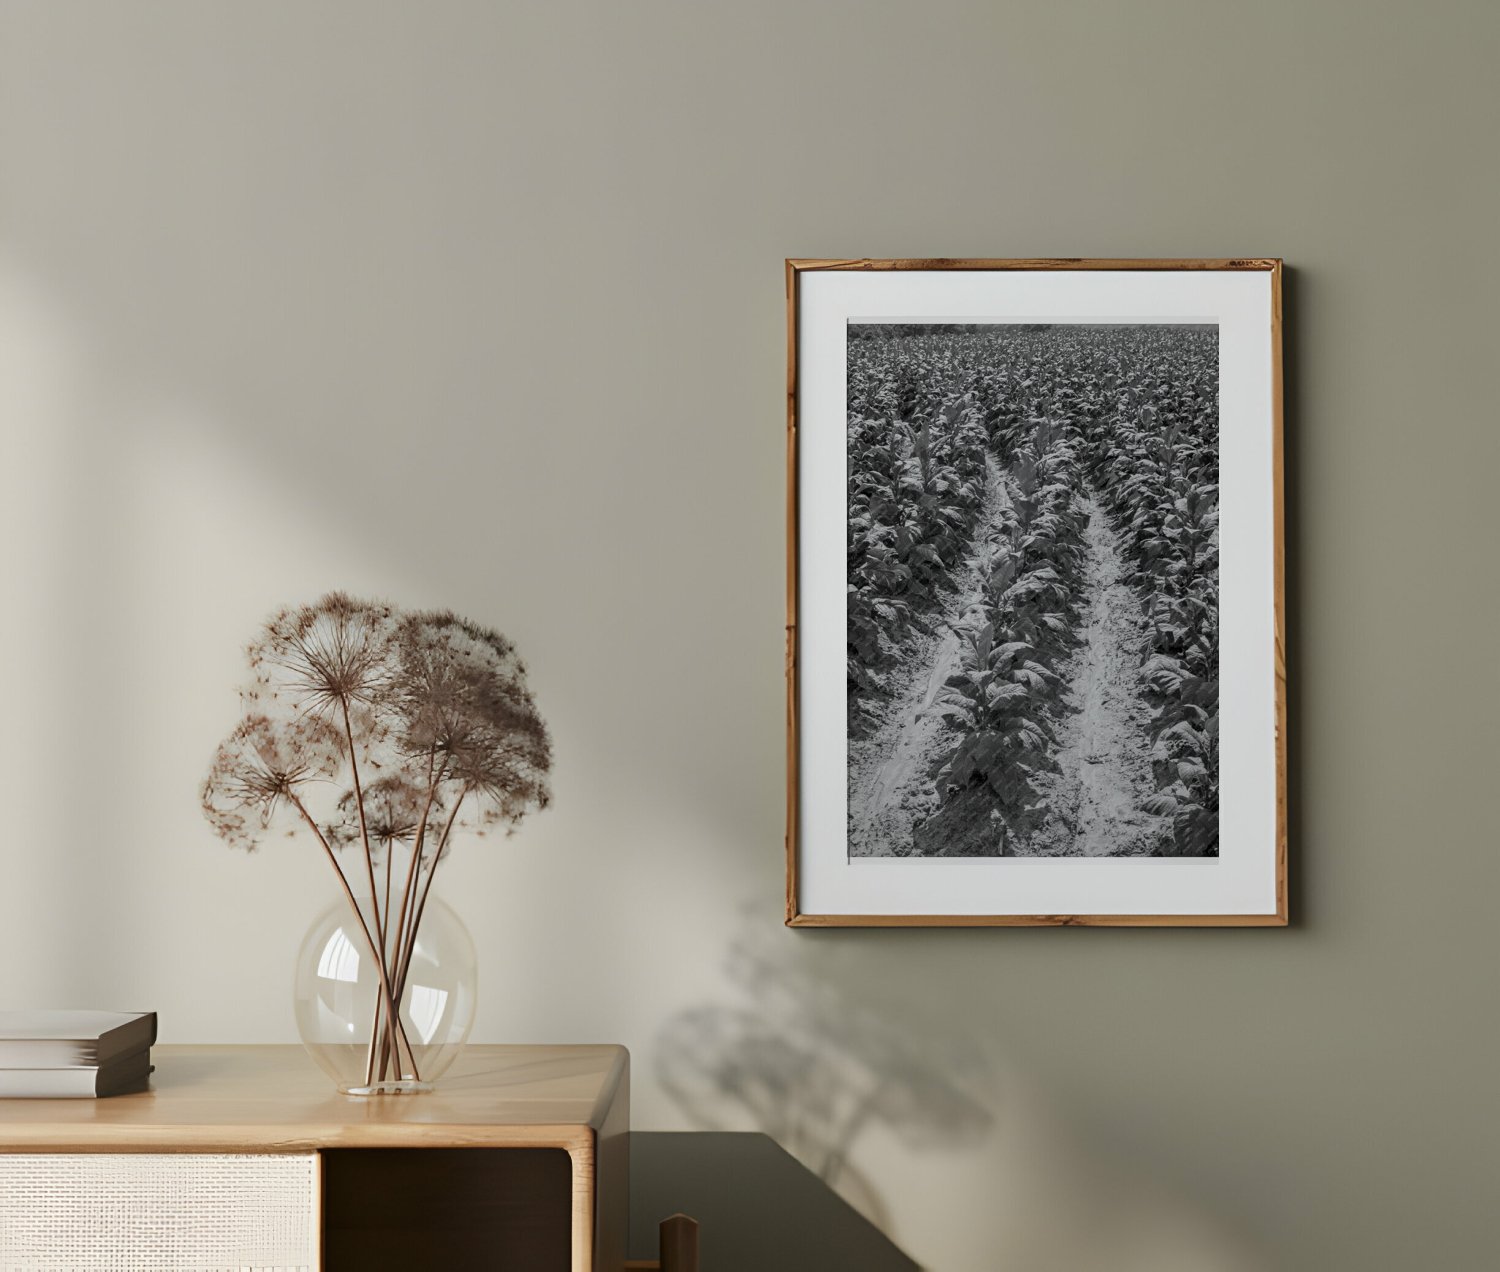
1036, 656
1033, 608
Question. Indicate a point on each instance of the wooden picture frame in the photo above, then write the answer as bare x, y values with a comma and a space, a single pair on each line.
986, 318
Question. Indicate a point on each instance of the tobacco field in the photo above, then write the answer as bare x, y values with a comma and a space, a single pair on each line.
1033, 617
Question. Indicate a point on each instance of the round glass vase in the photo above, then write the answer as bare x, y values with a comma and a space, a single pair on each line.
341, 998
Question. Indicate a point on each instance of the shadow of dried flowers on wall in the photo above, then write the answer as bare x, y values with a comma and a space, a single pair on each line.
801, 1059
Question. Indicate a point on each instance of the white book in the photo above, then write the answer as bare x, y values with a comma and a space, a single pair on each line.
120, 1076
72, 1039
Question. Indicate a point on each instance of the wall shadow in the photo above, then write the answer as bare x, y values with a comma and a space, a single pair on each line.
923, 1128
757, 1208
795, 1055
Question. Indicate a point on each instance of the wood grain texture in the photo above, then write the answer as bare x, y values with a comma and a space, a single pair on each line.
262, 1099
274, 1099
679, 1244
611, 1192
795, 267
396, 1209
1039, 263
1278, 498
1035, 920
792, 653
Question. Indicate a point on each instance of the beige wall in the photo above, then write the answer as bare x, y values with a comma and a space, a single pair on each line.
480, 305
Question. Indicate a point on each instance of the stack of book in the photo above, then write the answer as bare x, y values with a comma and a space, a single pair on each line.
49, 1055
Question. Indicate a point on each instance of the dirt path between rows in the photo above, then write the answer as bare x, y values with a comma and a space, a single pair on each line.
1103, 747
888, 783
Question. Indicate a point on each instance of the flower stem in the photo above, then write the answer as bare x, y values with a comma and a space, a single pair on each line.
409, 944
364, 833
380, 917
434, 778
385, 984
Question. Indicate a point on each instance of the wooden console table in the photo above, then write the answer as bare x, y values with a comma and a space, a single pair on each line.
519, 1160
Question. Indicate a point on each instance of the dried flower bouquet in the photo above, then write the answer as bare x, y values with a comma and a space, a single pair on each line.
380, 734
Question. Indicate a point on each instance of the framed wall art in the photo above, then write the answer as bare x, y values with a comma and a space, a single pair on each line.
1035, 625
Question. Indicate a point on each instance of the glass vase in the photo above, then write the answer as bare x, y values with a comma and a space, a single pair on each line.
341, 1000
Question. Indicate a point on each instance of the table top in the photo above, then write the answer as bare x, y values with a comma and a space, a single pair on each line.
275, 1099
758, 1206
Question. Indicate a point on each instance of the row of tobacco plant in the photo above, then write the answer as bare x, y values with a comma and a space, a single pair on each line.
1157, 467
1006, 696
1130, 411
917, 483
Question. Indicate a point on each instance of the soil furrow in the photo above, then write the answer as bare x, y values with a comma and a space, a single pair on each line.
889, 786
1103, 753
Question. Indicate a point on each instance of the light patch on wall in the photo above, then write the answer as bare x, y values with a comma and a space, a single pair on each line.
40, 384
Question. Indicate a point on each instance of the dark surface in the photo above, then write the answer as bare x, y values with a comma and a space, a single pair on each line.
679, 1244
759, 1209
485, 1210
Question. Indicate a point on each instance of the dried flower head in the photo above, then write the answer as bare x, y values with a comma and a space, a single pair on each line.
394, 808
461, 694
323, 658
423, 708
261, 768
